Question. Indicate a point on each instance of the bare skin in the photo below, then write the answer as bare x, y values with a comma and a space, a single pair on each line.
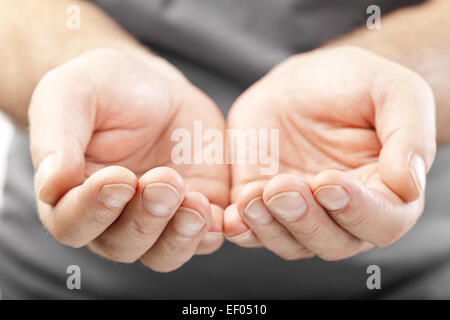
100, 123
356, 140
378, 154
417, 38
357, 137
101, 140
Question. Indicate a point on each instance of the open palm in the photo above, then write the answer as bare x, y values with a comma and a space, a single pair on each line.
353, 130
100, 129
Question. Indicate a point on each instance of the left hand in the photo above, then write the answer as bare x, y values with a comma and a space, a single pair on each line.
357, 136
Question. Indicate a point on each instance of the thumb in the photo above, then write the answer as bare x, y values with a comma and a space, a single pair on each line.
405, 122
60, 129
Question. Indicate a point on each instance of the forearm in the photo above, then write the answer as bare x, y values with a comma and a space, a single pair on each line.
34, 38
418, 38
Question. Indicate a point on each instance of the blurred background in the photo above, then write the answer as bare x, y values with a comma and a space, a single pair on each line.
221, 55
5, 138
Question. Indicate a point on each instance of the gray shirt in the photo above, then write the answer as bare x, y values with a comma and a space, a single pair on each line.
223, 46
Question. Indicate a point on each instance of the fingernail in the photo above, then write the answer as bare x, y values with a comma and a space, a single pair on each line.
44, 171
418, 172
289, 206
160, 199
188, 222
116, 196
332, 198
257, 212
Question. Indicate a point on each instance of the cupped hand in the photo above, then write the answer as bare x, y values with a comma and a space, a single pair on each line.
356, 139
100, 132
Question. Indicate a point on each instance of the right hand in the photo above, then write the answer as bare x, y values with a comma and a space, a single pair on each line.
100, 129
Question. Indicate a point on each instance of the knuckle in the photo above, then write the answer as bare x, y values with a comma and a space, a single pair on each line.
124, 258
337, 255
59, 236
209, 247
142, 228
62, 236
366, 247
60, 231
174, 251
394, 232
98, 216
388, 239
332, 257
352, 219
111, 252
276, 237
344, 251
249, 242
383, 243
146, 261
155, 263
161, 268
309, 231
299, 254
391, 237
